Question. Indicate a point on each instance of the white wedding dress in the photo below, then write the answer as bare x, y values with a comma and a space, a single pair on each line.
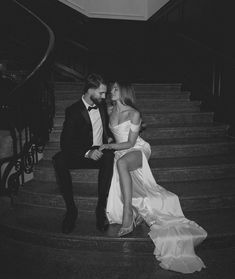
173, 235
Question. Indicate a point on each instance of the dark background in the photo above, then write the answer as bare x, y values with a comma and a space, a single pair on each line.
187, 41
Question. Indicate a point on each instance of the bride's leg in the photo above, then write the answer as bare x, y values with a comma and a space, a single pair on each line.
128, 162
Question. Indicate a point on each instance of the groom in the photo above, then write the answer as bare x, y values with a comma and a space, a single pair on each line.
85, 128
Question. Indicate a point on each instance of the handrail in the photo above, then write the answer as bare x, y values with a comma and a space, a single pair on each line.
47, 53
79, 45
74, 62
71, 72
28, 112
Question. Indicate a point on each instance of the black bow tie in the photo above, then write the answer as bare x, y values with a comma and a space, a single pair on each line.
90, 108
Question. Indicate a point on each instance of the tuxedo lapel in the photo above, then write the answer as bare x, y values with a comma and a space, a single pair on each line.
85, 114
102, 115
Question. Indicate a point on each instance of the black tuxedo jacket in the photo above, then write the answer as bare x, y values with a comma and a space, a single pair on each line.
77, 137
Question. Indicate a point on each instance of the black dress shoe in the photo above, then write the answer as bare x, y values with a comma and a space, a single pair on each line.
102, 222
68, 223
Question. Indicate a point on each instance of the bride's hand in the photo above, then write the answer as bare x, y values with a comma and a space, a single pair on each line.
106, 146
110, 140
102, 147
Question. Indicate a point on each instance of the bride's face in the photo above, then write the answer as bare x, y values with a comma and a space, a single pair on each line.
115, 92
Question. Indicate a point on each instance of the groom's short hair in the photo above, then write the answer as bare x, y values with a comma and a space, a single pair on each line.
93, 81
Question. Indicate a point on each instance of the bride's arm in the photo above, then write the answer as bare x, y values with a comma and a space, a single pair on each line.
133, 134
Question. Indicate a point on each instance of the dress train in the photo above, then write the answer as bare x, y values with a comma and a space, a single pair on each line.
173, 235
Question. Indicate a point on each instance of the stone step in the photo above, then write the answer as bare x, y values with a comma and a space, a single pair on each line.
148, 87
163, 118
159, 132
178, 118
40, 261
174, 147
163, 109
146, 105
164, 170
194, 195
176, 87
75, 94
185, 131
42, 226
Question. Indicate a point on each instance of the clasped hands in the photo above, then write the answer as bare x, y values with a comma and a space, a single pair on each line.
106, 146
96, 154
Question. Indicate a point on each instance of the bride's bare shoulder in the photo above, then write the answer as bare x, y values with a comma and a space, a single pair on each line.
134, 114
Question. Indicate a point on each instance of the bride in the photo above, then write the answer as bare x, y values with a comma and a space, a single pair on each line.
135, 196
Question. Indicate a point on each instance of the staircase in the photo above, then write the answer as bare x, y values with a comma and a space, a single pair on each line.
192, 156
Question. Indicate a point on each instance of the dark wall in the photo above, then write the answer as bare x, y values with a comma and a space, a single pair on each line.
209, 21
23, 39
187, 41
203, 51
116, 45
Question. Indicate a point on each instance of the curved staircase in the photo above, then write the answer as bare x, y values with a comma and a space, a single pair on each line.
192, 156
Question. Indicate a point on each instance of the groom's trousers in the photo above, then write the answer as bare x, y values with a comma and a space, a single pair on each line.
63, 164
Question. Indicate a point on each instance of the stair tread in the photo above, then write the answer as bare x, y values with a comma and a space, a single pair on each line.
44, 220
58, 83
188, 162
76, 93
163, 117
148, 98
181, 113
158, 84
146, 101
144, 110
173, 142
60, 114
186, 125
179, 125
169, 113
189, 189
185, 162
191, 141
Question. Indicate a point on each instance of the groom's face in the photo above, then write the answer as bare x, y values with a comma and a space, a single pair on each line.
98, 94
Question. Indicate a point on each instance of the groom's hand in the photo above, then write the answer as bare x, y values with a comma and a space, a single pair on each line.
95, 154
